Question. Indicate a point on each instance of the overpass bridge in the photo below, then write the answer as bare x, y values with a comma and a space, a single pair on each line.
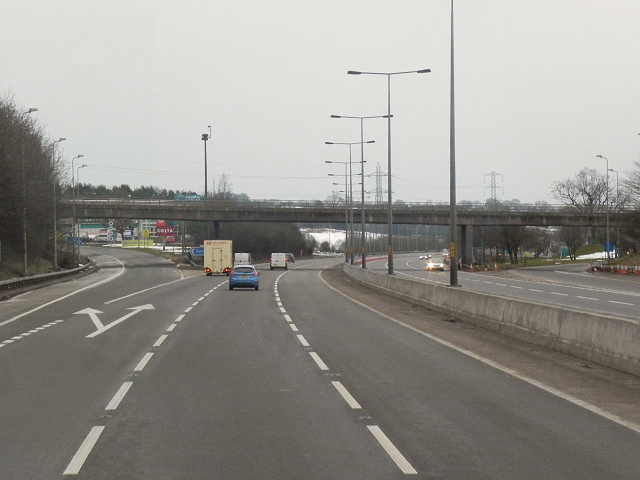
319, 212
215, 212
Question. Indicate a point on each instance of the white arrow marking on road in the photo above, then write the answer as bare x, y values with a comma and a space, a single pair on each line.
93, 315
121, 319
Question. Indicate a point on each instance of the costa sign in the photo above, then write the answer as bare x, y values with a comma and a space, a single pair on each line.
163, 230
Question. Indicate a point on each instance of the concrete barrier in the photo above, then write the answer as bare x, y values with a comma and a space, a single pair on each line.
610, 341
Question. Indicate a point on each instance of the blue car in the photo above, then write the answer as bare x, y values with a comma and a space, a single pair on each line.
244, 276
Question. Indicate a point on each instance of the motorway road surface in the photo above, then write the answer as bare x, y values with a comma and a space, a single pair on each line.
567, 286
142, 371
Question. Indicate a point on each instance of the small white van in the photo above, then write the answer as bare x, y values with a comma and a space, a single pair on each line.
278, 260
242, 259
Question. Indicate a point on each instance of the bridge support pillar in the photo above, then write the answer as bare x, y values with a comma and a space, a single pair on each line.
216, 230
466, 244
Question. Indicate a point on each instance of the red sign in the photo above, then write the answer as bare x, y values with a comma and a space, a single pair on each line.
162, 230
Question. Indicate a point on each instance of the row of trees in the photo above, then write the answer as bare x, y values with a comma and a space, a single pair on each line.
27, 169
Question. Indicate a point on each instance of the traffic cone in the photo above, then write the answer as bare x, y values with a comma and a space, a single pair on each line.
495, 267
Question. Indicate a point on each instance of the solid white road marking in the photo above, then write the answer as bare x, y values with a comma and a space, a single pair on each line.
393, 452
346, 395
143, 362
146, 290
317, 359
117, 398
83, 452
66, 296
160, 340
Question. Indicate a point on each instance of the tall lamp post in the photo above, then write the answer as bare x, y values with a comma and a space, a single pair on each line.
55, 201
24, 203
346, 207
390, 206
205, 137
78, 188
363, 249
73, 206
362, 183
607, 204
617, 207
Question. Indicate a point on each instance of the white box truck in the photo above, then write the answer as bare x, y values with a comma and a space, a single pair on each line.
218, 256
241, 259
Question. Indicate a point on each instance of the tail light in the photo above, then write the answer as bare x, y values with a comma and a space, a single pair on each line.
255, 274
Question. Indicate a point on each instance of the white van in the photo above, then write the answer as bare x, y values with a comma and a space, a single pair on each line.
278, 260
242, 259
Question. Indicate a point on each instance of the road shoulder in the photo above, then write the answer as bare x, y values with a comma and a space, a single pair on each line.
606, 389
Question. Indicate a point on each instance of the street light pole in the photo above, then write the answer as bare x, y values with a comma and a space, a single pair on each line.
453, 214
617, 205
55, 201
205, 137
73, 208
78, 188
361, 142
607, 204
346, 208
363, 250
389, 196
24, 203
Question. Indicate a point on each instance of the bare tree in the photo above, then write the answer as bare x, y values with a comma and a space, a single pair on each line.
587, 191
574, 238
334, 199
631, 186
222, 188
511, 238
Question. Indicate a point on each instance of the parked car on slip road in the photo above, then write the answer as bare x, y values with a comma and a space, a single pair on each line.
244, 276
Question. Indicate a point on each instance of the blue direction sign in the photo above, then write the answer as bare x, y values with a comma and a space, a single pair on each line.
197, 252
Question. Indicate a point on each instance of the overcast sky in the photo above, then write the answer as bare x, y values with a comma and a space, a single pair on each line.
542, 87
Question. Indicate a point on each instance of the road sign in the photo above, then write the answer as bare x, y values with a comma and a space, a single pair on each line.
197, 252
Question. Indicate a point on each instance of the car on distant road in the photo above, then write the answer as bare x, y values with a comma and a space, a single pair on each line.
435, 264
425, 256
290, 257
244, 276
